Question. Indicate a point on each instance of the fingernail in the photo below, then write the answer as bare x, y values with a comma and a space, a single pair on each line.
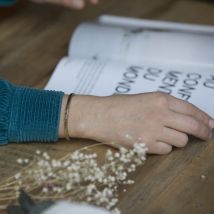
78, 4
211, 124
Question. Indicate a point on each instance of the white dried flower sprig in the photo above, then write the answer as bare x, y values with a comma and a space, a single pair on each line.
77, 176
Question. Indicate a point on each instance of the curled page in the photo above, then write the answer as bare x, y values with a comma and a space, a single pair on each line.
95, 41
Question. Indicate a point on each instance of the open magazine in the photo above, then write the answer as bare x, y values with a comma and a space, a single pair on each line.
117, 55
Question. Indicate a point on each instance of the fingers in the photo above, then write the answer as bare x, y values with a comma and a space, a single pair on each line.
173, 137
167, 140
159, 148
184, 107
74, 4
188, 124
93, 1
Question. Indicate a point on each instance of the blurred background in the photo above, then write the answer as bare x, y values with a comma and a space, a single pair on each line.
34, 37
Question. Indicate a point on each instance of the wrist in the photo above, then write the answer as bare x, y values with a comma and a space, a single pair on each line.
81, 115
61, 132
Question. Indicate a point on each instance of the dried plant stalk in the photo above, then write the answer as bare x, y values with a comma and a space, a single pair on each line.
77, 177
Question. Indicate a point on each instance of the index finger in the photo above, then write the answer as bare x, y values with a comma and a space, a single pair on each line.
184, 107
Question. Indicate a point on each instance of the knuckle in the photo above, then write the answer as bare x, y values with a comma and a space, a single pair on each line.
199, 129
184, 140
195, 126
162, 99
205, 118
146, 139
166, 150
201, 115
206, 132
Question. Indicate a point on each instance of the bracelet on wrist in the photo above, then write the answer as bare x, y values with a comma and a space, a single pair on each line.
66, 118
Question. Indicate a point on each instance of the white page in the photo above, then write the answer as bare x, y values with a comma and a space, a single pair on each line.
103, 78
153, 24
136, 45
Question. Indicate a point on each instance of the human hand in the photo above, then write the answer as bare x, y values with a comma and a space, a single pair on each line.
74, 4
157, 119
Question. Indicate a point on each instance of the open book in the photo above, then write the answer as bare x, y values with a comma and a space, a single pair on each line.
117, 55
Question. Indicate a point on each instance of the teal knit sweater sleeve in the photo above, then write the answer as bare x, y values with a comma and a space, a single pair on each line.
7, 3
28, 114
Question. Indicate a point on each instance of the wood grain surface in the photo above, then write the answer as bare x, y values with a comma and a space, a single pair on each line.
33, 39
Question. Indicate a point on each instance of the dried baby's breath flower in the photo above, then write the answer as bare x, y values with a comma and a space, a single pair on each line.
77, 176
203, 177
17, 176
26, 161
38, 152
20, 161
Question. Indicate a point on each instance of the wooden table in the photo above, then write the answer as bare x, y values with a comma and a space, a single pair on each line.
32, 41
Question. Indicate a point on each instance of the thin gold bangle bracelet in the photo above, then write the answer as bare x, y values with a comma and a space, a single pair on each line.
66, 132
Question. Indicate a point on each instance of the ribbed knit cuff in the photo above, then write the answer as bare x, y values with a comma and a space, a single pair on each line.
33, 115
